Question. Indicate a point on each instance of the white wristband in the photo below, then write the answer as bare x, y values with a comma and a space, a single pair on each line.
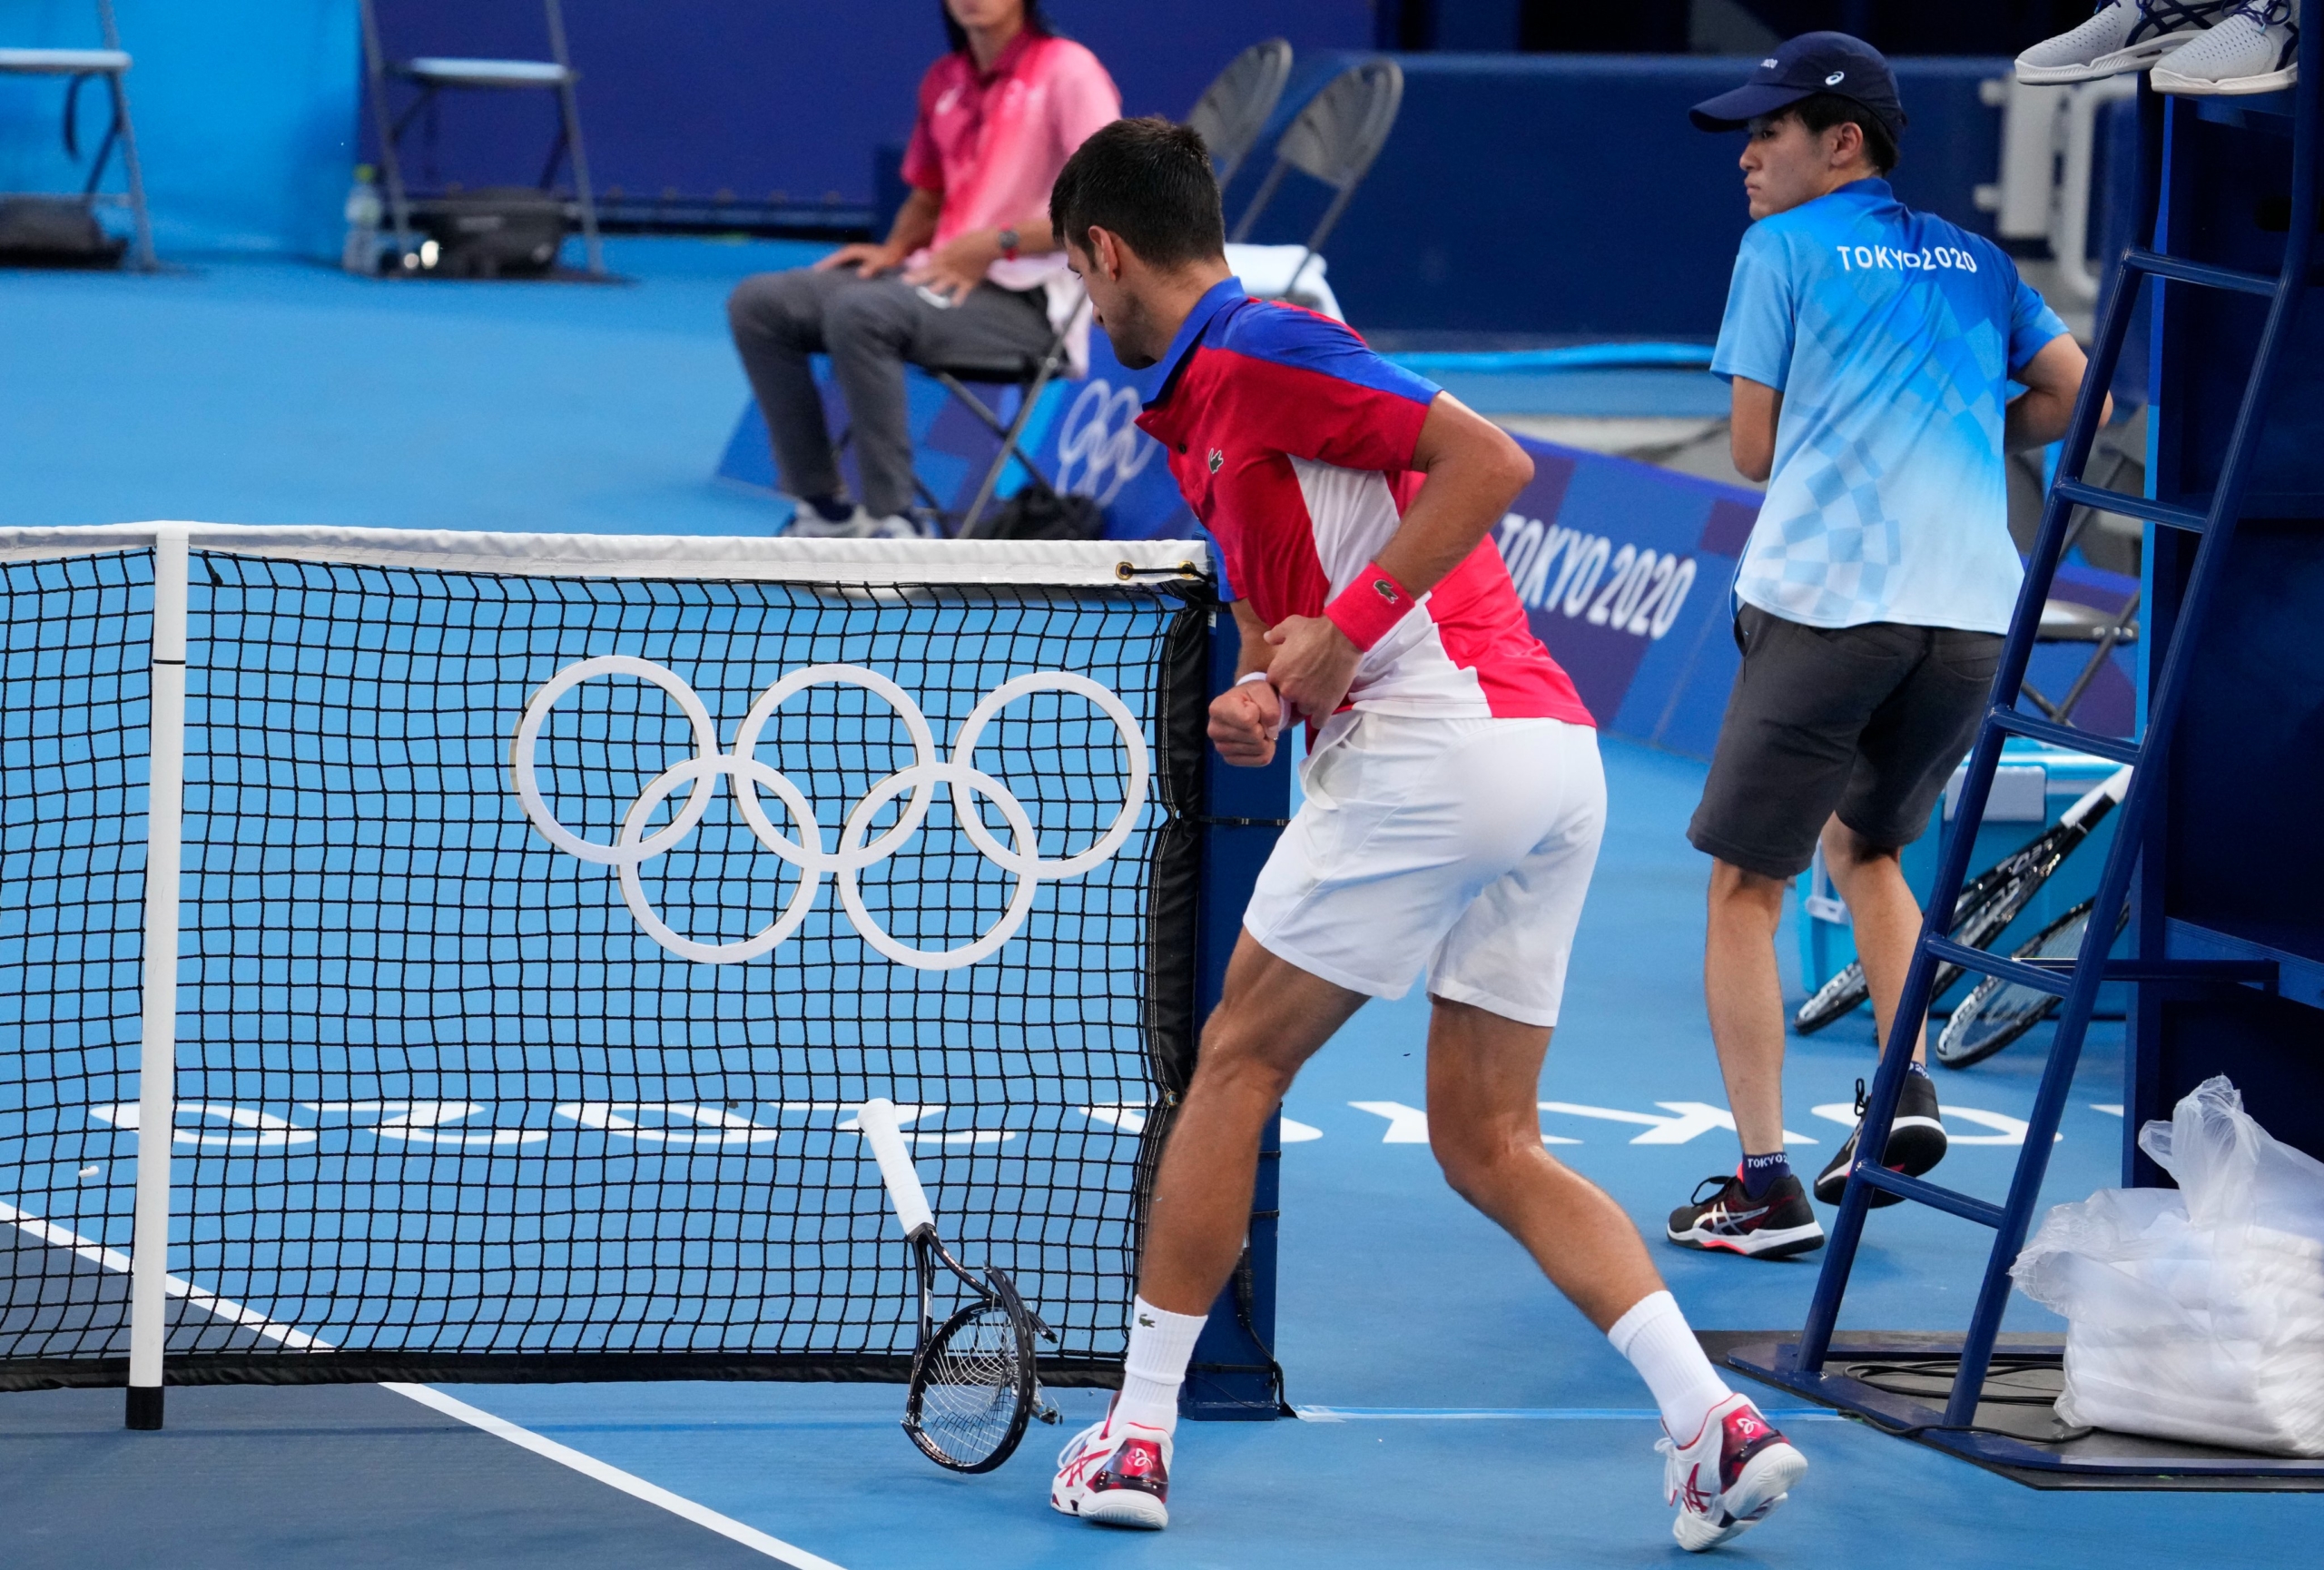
1276, 729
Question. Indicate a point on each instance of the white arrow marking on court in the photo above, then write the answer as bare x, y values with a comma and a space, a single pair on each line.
1409, 1125
1692, 1120
2013, 1129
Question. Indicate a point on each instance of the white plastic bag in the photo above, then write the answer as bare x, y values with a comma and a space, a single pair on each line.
2195, 1313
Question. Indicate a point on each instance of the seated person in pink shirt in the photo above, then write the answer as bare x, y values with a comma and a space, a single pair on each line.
970, 270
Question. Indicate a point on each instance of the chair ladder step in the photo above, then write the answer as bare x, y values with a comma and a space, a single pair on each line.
1934, 1195
2039, 978
2088, 495
2203, 273
2121, 749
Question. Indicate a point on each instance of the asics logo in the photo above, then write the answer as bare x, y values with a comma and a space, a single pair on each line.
1100, 434
858, 848
1835, 78
1696, 1500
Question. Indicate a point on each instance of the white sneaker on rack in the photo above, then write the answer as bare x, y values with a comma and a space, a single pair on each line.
2256, 49
2127, 35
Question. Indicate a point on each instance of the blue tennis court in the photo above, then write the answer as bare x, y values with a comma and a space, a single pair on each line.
1453, 1411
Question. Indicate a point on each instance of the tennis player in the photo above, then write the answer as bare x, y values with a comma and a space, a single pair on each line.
1453, 808
1870, 349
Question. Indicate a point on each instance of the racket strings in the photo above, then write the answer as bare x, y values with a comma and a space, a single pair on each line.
974, 1373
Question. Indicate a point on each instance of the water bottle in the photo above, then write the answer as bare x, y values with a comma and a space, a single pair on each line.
360, 254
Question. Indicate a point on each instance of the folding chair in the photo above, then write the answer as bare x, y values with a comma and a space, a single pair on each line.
111, 62
1235, 107
1066, 356
1334, 141
433, 76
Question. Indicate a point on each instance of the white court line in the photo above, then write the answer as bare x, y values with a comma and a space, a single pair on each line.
299, 1340
250, 1320
613, 1478
1519, 1414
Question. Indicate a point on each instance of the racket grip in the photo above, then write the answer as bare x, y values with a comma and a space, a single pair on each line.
877, 1118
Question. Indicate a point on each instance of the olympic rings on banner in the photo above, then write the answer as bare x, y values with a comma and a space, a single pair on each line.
699, 776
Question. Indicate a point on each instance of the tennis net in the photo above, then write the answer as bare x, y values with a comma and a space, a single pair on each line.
547, 906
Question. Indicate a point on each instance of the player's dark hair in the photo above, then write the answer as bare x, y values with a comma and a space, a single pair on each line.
1148, 181
1822, 110
958, 37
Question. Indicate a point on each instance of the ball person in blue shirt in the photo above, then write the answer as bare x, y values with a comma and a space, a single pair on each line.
1871, 350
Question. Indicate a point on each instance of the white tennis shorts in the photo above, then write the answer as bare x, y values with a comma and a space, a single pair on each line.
1460, 846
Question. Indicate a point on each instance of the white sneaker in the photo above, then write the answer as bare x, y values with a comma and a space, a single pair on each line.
2127, 35
807, 523
895, 526
1734, 1471
1118, 1475
2255, 50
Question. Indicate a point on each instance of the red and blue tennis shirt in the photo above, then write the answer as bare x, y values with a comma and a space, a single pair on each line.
1293, 442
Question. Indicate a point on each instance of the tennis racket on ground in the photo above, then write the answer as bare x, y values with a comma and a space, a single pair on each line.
1986, 906
1999, 1012
974, 1380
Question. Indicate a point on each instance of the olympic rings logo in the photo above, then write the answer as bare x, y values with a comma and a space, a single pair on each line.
699, 775
1100, 432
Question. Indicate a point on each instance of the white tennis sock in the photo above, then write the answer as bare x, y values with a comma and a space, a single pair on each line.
1161, 1343
1655, 1338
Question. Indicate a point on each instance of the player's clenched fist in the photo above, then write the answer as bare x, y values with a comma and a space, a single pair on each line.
1244, 722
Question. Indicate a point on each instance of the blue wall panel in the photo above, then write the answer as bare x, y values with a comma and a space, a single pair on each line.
245, 115
1569, 194
752, 98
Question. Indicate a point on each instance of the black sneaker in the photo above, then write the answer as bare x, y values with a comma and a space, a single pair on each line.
1915, 1142
1775, 1226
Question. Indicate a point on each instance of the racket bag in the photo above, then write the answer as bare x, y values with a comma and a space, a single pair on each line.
499, 232
2195, 1312
54, 231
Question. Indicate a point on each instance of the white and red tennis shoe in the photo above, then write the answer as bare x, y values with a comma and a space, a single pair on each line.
1729, 1475
1116, 1473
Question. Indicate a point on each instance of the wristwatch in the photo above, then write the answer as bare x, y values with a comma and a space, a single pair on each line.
1009, 237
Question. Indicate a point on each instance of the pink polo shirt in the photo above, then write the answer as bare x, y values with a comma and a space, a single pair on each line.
992, 144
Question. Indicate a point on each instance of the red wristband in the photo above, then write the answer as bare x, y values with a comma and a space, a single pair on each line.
1367, 608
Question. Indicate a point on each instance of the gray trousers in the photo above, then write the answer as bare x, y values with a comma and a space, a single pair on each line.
871, 327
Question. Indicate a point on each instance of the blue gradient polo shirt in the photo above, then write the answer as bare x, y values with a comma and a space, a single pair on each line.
1891, 335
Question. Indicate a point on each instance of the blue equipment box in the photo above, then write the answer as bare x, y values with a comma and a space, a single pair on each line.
2034, 787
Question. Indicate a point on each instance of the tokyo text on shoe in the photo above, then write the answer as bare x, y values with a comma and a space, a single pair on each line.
1775, 1226
1729, 1477
1115, 1473
2256, 49
1916, 1141
2126, 35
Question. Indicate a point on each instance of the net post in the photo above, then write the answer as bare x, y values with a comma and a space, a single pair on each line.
1233, 1375
157, 1061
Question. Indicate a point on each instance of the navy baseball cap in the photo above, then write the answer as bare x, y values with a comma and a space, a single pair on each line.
1800, 68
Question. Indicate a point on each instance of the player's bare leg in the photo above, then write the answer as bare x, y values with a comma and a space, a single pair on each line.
1727, 1468
1271, 1017
1485, 1126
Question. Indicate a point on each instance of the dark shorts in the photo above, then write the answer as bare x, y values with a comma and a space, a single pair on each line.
1867, 722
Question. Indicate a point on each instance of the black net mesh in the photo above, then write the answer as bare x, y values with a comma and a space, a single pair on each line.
445, 1104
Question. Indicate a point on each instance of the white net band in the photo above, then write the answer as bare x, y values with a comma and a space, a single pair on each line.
927, 561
